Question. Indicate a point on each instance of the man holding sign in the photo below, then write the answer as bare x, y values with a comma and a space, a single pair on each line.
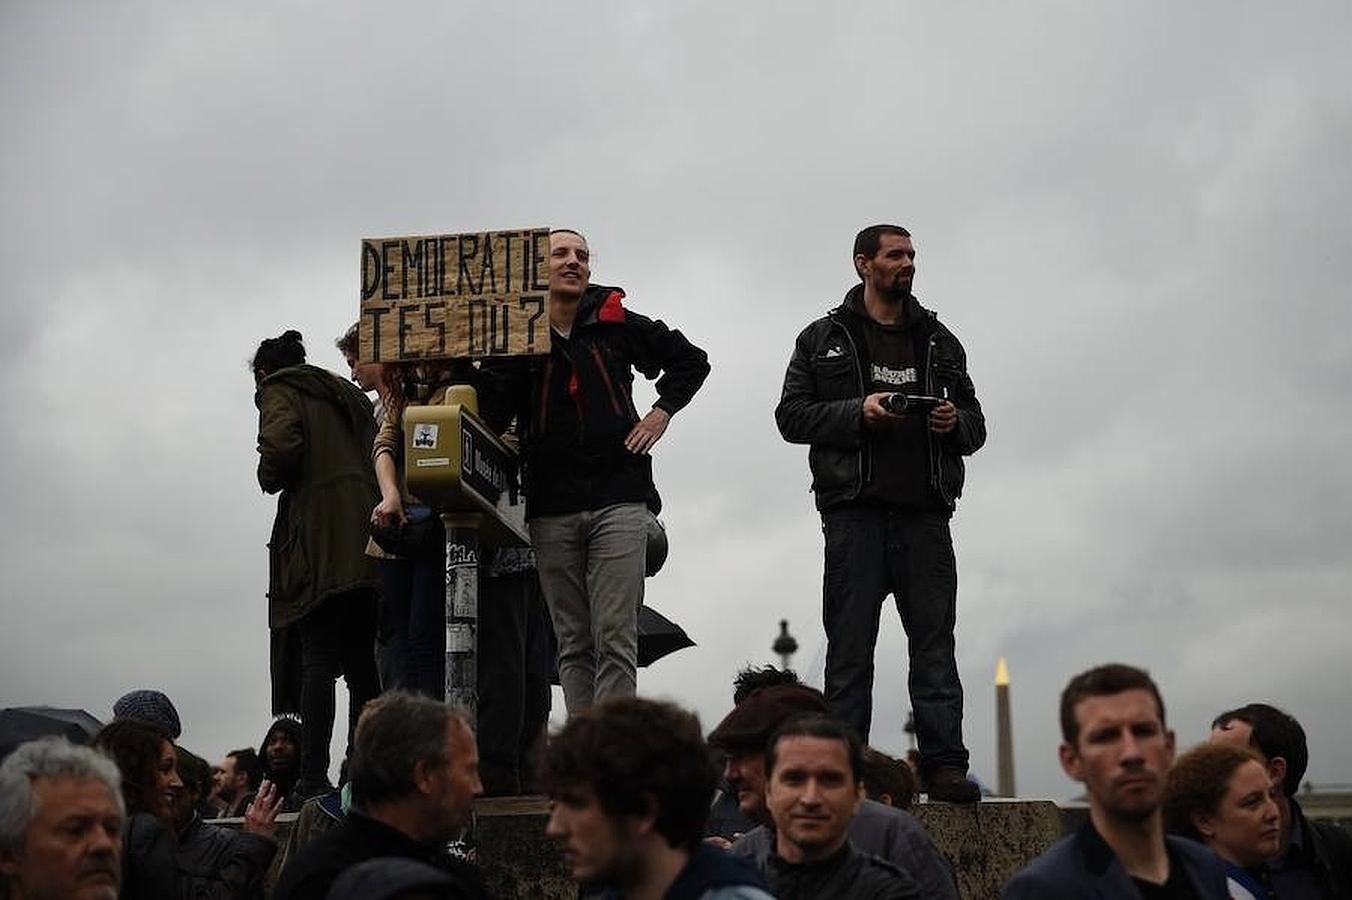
590, 498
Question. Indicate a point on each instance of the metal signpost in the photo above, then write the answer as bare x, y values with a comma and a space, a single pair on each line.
457, 465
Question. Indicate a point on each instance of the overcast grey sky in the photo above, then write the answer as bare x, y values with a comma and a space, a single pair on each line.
1135, 216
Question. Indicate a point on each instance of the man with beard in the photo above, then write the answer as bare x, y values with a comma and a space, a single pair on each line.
879, 389
280, 753
220, 862
61, 818
815, 770
1117, 745
237, 778
891, 834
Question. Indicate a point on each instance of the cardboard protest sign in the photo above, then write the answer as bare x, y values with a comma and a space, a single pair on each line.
455, 296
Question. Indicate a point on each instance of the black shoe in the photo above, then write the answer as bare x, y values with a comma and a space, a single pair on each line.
949, 784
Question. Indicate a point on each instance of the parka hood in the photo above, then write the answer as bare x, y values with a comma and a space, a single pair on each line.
326, 386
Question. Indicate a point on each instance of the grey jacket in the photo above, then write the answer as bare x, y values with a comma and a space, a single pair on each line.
886, 832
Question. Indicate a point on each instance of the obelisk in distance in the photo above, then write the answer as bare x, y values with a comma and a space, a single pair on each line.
1004, 733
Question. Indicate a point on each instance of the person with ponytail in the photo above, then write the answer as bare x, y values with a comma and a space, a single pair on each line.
315, 432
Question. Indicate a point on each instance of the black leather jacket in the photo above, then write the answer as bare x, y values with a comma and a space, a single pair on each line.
823, 399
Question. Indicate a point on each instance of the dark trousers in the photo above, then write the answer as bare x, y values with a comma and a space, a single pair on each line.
411, 646
515, 656
336, 638
872, 552
515, 652
411, 640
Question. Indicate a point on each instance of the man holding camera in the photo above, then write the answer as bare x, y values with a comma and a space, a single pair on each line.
879, 389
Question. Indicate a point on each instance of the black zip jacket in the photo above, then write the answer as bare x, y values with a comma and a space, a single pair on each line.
575, 407
846, 873
822, 403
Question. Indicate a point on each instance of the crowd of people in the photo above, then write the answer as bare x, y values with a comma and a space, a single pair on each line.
640, 809
782, 798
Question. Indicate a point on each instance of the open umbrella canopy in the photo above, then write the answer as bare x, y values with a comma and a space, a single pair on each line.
20, 724
658, 636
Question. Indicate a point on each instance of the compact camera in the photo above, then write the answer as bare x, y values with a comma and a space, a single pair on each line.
910, 404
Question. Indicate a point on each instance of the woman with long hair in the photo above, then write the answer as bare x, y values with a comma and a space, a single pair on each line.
315, 432
145, 758
1222, 796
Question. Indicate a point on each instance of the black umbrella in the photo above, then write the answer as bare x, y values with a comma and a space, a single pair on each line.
657, 637
20, 724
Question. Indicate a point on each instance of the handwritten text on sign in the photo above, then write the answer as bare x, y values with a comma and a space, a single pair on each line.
455, 295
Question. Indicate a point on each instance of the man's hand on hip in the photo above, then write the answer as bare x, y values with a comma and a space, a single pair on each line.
875, 416
943, 418
648, 431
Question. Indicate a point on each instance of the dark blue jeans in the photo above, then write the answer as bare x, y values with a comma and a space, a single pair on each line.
872, 552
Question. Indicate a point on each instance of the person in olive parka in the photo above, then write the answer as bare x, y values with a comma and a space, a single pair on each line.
315, 432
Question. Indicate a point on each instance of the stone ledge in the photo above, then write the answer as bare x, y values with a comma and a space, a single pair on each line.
986, 842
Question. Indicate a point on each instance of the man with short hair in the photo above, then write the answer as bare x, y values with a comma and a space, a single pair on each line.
212, 861
815, 784
61, 817
629, 782
590, 497
883, 831
879, 389
415, 774
1115, 742
1316, 857
236, 779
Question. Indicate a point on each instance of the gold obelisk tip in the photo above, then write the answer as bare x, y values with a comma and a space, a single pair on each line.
1001, 673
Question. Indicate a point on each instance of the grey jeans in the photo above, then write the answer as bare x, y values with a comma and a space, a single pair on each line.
591, 572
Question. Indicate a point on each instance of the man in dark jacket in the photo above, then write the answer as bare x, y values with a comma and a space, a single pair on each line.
630, 782
1116, 743
816, 784
414, 775
880, 391
315, 433
215, 863
1316, 857
891, 834
589, 489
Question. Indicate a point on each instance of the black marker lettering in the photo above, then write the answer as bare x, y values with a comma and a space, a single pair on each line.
375, 315
413, 260
439, 325
539, 260
370, 270
404, 328
487, 271
463, 276
478, 327
507, 262
387, 267
538, 303
498, 334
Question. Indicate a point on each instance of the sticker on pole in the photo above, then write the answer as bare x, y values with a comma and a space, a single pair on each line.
425, 436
